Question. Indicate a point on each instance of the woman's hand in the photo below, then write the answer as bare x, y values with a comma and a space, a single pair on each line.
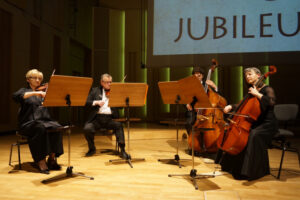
40, 94
227, 108
253, 90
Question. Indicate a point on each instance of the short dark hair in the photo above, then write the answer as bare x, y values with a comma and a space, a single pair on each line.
198, 69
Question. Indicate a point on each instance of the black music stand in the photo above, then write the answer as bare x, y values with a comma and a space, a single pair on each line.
170, 93
67, 91
128, 95
197, 94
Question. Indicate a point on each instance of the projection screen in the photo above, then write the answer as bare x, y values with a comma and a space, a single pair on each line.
235, 32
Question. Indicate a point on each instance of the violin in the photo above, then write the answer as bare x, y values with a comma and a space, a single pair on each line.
235, 138
107, 93
42, 87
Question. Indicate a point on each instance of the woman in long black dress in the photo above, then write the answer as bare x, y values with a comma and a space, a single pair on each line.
253, 162
34, 120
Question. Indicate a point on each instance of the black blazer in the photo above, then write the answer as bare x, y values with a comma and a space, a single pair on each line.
96, 94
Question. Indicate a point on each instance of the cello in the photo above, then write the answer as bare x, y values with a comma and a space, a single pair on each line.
235, 138
206, 141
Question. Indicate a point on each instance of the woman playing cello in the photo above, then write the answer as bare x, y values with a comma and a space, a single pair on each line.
253, 162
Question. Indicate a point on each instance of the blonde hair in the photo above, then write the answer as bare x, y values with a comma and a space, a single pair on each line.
256, 70
33, 73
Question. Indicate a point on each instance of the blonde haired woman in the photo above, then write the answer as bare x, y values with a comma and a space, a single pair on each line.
34, 120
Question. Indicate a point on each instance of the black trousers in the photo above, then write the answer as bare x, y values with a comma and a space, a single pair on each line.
103, 121
253, 162
190, 117
43, 143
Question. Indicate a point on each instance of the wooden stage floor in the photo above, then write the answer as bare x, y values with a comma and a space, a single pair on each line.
146, 180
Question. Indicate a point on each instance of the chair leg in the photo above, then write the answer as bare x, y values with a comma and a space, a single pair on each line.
117, 146
10, 154
282, 156
19, 156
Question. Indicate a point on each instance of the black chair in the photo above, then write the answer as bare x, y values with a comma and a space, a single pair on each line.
21, 140
286, 114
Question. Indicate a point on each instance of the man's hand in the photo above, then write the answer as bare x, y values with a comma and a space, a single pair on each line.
98, 103
189, 107
212, 84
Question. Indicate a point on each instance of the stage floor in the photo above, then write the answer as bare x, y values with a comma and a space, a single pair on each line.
146, 180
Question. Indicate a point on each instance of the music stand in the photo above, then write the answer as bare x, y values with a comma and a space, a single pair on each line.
197, 94
171, 94
128, 95
67, 91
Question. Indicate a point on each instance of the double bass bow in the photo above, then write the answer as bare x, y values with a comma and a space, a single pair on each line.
235, 138
209, 118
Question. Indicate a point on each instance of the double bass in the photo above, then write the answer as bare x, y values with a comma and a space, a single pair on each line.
235, 138
206, 141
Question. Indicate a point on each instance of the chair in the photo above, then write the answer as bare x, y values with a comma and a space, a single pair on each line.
21, 140
108, 133
285, 113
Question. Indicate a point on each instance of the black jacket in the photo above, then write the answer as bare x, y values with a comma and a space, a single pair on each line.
96, 94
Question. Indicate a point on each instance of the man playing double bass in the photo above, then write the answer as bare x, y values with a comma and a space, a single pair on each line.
253, 161
189, 114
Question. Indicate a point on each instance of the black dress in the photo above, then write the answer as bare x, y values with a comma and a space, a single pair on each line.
253, 162
34, 120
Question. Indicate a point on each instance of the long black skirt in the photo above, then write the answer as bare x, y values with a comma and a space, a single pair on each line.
41, 142
253, 162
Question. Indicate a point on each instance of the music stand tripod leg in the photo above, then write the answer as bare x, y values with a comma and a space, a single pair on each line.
193, 172
128, 160
176, 159
69, 171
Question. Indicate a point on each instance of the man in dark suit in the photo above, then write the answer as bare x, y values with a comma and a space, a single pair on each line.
101, 116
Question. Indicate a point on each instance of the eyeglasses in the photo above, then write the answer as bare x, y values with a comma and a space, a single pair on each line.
36, 78
106, 82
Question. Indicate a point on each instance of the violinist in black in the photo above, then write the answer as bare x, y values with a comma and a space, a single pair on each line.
101, 116
253, 162
34, 120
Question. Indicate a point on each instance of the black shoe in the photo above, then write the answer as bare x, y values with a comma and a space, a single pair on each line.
184, 136
44, 171
52, 165
124, 155
90, 152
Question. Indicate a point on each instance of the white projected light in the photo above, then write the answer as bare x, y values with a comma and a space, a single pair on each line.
225, 26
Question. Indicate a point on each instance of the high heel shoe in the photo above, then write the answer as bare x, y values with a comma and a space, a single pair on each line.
42, 166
